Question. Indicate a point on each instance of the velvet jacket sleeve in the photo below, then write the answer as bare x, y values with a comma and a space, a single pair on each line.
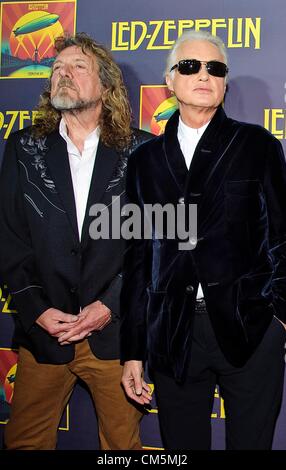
17, 263
111, 297
275, 191
136, 277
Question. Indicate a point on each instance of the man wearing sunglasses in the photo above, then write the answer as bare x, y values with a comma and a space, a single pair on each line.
214, 314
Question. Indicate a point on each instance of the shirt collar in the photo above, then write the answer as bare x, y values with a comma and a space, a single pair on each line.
186, 132
90, 141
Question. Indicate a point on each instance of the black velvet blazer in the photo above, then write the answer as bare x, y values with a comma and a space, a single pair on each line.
237, 178
42, 259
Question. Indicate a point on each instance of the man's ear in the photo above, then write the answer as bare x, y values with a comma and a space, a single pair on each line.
169, 82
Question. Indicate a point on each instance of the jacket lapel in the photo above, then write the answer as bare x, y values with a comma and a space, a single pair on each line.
58, 162
105, 162
211, 162
173, 154
207, 159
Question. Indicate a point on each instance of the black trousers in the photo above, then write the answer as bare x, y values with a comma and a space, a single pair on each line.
252, 394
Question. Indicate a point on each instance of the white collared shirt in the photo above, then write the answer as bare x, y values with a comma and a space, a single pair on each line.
188, 138
81, 166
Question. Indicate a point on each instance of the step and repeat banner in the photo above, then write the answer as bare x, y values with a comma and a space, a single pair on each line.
139, 33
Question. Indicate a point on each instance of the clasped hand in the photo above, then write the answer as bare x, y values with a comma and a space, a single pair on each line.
71, 328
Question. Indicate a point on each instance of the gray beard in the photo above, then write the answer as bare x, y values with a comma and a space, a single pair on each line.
65, 103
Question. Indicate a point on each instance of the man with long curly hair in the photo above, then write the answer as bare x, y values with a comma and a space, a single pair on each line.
66, 285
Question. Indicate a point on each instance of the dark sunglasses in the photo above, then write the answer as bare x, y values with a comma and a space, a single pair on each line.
191, 66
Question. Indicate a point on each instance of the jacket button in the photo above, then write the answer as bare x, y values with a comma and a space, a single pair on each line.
74, 252
73, 289
189, 289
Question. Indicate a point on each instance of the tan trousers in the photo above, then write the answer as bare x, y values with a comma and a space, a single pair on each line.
42, 392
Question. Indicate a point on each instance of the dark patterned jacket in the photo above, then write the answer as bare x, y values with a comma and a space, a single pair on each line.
42, 259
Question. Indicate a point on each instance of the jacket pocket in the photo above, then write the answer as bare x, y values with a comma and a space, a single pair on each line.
244, 200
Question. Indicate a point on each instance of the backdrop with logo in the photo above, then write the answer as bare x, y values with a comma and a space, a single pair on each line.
139, 35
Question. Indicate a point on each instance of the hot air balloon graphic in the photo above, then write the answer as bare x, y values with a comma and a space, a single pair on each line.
161, 115
157, 105
167, 113
27, 36
31, 42
38, 23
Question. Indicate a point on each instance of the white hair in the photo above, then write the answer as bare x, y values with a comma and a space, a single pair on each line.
190, 36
